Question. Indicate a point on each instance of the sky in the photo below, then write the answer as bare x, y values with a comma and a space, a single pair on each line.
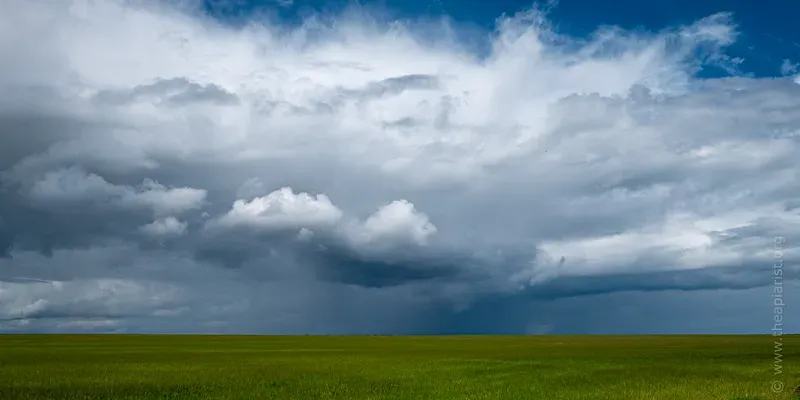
766, 31
434, 167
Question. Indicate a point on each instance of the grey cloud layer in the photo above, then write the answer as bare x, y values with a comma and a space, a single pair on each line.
162, 172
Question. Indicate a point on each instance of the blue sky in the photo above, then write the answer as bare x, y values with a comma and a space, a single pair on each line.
768, 32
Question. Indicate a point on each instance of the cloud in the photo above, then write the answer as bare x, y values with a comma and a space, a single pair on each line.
165, 227
397, 221
75, 186
81, 299
281, 210
788, 68
353, 174
175, 91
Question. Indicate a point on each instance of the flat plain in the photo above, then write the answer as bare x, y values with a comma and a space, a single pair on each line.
395, 367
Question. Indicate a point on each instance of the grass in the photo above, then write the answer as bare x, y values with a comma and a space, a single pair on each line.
384, 367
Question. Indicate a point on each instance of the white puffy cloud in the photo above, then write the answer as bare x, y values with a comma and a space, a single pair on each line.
398, 222
307, 216
281, 210
540, 165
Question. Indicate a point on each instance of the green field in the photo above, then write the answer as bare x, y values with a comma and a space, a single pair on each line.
386, 367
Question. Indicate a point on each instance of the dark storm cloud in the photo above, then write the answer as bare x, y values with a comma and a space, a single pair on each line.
694, 280
71, 207
346, 266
